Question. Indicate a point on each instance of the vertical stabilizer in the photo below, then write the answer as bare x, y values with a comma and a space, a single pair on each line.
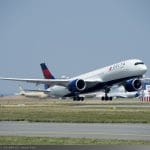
46, 73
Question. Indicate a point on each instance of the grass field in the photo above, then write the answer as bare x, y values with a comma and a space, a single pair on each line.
34, 110
93, 111
12, 140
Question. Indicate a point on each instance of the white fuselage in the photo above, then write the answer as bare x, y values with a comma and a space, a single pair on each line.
121, 70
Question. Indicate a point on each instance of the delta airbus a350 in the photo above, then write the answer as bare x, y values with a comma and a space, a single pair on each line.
127, 73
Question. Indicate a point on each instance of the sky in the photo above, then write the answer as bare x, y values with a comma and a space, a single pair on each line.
70, 36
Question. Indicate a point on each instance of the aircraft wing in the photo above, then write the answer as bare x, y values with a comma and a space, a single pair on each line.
62, 82
51, 82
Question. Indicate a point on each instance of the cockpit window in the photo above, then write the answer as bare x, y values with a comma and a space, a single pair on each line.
138, 63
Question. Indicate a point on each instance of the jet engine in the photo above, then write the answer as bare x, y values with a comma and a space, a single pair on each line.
77, 85
133, 85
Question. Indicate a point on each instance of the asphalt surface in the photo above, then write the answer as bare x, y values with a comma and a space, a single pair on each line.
77, 130
115, 106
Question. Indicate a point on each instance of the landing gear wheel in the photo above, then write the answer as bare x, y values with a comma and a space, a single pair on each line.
77, 98
110, 98
82, 98
74, 98
106, 98
103, 98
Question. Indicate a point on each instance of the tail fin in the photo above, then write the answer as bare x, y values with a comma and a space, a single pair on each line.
46, 73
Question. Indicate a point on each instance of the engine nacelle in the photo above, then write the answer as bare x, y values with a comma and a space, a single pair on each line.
77, 85
133, 85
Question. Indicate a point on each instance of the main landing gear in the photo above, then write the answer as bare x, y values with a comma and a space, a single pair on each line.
77, 98
106, 97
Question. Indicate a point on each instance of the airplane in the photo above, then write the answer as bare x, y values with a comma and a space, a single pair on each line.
127, 73
32, 93
115, 91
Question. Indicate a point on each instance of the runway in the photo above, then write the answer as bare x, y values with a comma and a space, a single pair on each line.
116, 106
77, 130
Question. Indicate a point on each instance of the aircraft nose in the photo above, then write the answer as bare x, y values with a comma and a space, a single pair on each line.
143, 68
